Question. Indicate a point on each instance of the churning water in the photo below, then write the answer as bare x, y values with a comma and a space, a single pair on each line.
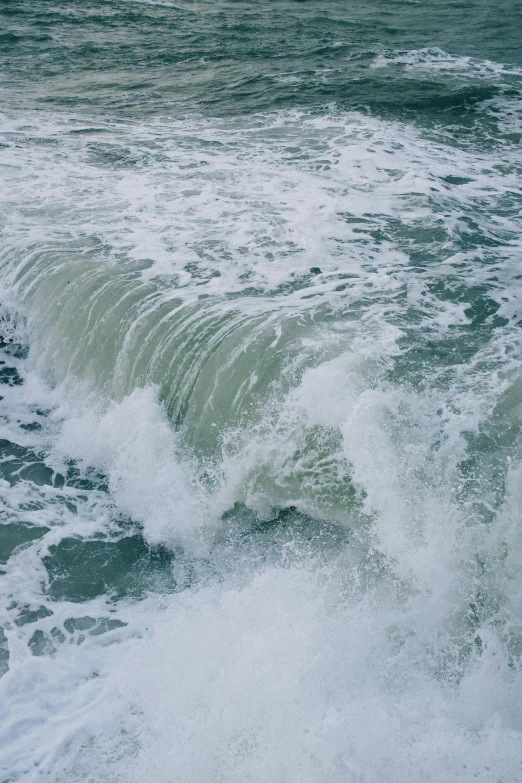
261, 412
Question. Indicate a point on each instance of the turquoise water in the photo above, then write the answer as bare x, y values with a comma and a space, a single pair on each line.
261, 384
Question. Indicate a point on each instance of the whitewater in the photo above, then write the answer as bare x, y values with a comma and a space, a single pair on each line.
261, 392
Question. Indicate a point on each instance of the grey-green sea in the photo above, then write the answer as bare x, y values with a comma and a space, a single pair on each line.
260, 391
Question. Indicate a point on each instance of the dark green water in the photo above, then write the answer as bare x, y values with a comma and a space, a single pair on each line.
217, 59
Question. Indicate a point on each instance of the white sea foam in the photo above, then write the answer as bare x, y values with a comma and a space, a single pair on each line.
161, 3
435, 59
286, 679
296, 675
134, 445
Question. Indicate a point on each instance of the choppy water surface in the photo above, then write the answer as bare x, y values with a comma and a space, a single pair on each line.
261, 391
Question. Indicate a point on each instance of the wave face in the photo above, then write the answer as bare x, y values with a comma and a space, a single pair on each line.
260, 310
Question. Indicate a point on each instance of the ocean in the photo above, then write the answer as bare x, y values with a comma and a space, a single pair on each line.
261, 391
